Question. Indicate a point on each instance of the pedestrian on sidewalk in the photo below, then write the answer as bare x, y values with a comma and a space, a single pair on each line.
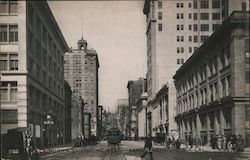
219, 142
148, 147
197, 142
213, 142
233, 143
190, 141
240, 144
224, 142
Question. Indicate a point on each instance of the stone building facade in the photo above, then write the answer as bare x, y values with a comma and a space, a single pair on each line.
32, 81
81, 72
213, 85
161, 119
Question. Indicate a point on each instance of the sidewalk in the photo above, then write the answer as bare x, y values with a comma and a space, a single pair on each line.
133, 145
54, 149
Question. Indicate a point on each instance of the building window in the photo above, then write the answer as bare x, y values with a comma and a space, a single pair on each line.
180, 27
3, 62
216, 4
195, 27
178, 38
160, 5
4, 90
178, 61
13, 33
190, 27
204, 4
9, 62
8, 90
195, 39
204, 38
204, 16
190, 15
182, 38
182, 61
215, 26
190, 49
3, 33
204, 27
180, 16
216, 16
8, 7
8, 33
177, 5
190, 38
159, 15
189, 5
244, 6
159, 27
178, 49
13, 62
195, 16
182, 50
195, 4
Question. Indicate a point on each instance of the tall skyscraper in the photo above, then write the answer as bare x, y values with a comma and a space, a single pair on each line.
81, 72
31, 63
175, 29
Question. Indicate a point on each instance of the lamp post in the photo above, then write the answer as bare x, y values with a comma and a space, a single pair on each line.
48, 122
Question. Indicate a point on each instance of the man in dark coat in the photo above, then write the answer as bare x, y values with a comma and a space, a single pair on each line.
148, 147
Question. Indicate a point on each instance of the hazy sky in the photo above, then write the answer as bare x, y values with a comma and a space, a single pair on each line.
116, 30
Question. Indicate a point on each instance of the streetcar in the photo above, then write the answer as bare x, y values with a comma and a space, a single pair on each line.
114, 136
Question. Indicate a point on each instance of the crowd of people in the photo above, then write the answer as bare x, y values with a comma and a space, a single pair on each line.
228, 143
231, 143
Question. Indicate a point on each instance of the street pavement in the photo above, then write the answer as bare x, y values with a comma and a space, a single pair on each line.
132, 150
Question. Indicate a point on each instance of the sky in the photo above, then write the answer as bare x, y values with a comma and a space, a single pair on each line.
116, 30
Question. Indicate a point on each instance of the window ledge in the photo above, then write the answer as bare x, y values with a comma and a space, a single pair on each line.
14, 72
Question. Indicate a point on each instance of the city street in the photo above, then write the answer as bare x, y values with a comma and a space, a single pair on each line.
126, 151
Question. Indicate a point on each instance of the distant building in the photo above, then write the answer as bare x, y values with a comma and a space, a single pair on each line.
67, 112
213, 85
99, 121
134, 93
81, 72
161, 119
31, 64
123, 115
141, 115
77, 126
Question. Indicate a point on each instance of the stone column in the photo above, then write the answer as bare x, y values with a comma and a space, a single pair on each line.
216, 122
222, 122
198, 125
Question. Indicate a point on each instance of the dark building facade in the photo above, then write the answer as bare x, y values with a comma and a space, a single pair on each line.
135, 89
213, 85
68, 120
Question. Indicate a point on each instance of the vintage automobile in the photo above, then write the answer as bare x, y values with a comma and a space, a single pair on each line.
15, 146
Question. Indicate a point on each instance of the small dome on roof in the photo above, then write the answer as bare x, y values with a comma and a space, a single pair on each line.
82, 41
